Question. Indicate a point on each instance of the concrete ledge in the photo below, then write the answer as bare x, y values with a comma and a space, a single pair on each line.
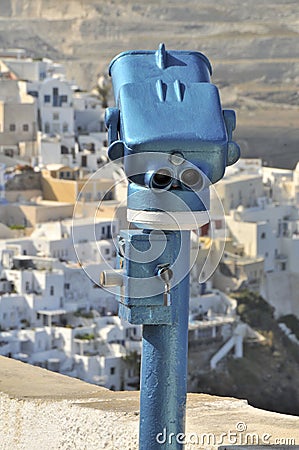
44, 410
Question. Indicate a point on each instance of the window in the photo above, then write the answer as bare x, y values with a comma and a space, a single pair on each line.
131, 372
83, 161
47, 98
218, 224
55, 97
112, 370
66, 285
12, 127
27, 286
108, 196
47, 127
263, 235
65, 128
51, 290
63, 99
56, 116
25, 127
107, 251
56, 127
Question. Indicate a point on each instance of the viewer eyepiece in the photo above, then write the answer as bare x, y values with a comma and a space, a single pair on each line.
192, 179
161, 179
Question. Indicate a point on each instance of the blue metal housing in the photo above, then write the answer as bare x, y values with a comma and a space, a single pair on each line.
141, 298
166, 103
137, 65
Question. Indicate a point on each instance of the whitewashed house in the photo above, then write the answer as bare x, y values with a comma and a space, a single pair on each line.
56, 107
18, 117
13, 310
89, 114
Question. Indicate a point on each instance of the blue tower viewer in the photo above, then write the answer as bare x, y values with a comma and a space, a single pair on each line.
171, 136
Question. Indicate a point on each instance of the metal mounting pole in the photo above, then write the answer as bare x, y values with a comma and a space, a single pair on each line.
164, 370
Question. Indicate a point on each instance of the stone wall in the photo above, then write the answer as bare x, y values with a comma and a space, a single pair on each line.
27, 180
45, 410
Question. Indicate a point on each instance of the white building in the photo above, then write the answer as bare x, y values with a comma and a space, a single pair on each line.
261, 230
264, 231
56, 107
240, 189
86, 240
282, 184
59, 266
47, 104
18, 65
55, 149
89, 114
13, 310
106, 352
18, 116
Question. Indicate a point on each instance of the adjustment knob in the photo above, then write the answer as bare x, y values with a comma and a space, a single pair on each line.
111, 278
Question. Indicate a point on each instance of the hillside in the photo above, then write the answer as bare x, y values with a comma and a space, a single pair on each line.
253, 47
267, 376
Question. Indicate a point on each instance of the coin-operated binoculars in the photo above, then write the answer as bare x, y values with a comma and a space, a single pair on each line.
173, 139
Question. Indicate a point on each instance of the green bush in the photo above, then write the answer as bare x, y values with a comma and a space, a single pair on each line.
85, 336
17, 227
84, 313
254, 310
291, 322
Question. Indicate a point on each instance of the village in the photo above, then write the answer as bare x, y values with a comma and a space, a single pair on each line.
62, 207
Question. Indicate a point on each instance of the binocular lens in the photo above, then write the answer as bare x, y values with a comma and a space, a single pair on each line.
192, 178
161, 179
